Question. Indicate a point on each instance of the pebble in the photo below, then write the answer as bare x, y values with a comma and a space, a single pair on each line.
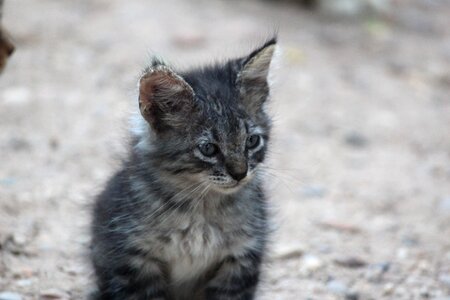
410, 241
350, 262
352, 296
339, 288
402, 253
18, 144
287, 252
311, 263
10, 296
340, 226
388, 289
52, 294
24, 282
356, 140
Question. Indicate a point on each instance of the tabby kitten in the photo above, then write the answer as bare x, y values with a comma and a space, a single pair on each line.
185, 218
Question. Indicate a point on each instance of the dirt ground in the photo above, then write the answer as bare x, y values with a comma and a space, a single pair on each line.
360, 167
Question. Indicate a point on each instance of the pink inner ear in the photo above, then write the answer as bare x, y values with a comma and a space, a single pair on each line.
163, 95
148, 86
147, 90
161, 88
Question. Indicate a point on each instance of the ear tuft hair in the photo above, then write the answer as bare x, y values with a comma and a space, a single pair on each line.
253, 76
270, 42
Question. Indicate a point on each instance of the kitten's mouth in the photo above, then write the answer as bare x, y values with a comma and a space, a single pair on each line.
229, 188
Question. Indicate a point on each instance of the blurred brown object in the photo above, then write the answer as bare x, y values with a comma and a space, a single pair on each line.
6, 45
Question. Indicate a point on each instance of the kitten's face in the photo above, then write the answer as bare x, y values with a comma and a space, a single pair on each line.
209, 125
229, 150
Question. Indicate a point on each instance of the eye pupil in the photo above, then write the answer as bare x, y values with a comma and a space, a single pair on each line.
208, 149
252, 141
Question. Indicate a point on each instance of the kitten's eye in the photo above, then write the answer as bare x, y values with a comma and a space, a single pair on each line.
252, 141
208, 149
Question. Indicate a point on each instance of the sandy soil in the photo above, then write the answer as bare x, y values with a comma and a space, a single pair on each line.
360, 182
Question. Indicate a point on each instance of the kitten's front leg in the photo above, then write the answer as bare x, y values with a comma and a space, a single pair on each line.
137, 279
236, 278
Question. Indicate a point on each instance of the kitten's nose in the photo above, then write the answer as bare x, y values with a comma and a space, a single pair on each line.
237, 171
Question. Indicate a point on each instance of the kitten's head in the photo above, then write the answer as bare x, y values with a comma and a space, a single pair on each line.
208, 125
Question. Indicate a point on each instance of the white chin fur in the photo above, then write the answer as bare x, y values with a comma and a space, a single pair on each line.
227, 189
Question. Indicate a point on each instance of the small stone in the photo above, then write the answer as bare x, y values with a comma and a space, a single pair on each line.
350, 262
356, 140
53, 294
287, 252
352, 296
10, 296
339, 226
54, 143
18, 144
73, 270
24, 282
388, 289
410, 241
402, 253
311, 263
337, 287
425, 293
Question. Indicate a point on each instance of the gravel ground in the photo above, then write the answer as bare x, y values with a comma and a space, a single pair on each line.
360, 177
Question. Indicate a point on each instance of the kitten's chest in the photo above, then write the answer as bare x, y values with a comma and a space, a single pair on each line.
195, 242
194, 246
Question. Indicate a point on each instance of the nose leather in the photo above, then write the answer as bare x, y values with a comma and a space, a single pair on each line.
237, 170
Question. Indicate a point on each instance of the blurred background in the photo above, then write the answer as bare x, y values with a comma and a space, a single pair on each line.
360, 163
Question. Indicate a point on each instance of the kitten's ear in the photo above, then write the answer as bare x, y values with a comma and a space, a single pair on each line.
164, 97
252, 77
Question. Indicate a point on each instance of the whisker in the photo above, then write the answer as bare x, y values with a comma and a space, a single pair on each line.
165, 206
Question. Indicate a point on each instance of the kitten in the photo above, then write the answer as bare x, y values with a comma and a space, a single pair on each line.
185, 218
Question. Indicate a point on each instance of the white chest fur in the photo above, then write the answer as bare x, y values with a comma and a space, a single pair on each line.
194, 247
